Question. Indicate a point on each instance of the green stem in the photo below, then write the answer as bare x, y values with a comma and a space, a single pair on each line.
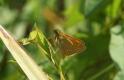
59, 69
62, 77
101, 72
54, 62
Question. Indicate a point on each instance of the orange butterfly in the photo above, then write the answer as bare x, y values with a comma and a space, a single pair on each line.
67, 44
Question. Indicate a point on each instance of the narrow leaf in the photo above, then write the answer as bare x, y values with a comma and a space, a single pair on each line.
26, 63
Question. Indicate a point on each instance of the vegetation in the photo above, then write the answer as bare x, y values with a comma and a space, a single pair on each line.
96, 26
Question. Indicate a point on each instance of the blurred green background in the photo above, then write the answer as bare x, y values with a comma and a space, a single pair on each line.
100, 23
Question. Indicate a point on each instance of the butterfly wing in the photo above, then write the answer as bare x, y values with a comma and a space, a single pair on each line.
69, 45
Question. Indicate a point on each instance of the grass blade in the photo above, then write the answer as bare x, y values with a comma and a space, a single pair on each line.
26, 63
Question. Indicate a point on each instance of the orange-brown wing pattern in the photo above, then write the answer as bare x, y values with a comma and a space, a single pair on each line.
69, 45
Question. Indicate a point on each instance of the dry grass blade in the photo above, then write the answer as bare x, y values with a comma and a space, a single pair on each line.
26, 63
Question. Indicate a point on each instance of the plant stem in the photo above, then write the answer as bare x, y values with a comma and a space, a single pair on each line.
62, 77
54, 62
101, 72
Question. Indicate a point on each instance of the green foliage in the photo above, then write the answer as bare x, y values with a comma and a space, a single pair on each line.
116, 49
99, 23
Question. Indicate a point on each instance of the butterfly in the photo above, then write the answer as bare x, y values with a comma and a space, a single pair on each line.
67, 44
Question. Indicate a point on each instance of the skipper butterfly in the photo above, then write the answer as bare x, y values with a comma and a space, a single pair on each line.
67, 44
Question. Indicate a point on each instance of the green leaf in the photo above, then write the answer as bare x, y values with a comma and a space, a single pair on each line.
31, 38
114, 8
94, 7
117, 50
119, 76
73, 14
43, 42
1, 2
37, 37
33, 35
117, 46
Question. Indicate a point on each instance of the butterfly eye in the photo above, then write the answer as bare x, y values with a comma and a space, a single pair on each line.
56, 32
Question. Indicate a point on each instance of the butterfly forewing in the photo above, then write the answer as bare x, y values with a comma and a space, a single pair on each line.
69, 45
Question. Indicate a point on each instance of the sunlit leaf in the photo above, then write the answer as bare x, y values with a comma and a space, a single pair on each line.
114, 8
117, 50
73, 14
117, 46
